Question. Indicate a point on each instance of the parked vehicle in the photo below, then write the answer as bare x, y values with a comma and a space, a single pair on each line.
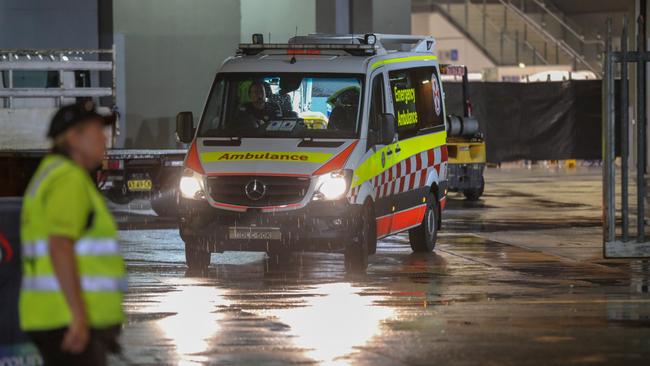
465, 143
34, 84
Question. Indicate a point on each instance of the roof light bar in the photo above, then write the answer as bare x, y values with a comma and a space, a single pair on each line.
254, 48
303, 52
355, 44
280, 46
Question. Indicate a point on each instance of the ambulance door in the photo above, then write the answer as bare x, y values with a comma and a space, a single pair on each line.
419, 111
381, 155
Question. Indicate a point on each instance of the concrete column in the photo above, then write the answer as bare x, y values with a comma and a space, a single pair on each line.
333, 16
363, 16
381, 16
105, 36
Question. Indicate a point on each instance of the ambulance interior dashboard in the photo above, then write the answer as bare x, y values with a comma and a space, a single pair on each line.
283, 105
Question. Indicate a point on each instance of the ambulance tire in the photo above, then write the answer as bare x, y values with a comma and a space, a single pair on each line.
423, 238
197, 256
356, 252
372, 244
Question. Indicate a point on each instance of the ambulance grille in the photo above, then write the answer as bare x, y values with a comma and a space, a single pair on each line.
278, 190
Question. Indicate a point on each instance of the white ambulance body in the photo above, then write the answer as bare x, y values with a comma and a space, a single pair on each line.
326, 143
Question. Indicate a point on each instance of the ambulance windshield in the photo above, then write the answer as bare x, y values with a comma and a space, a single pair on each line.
283, 105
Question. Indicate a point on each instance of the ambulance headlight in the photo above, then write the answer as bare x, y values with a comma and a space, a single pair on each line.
332, 186
191, 185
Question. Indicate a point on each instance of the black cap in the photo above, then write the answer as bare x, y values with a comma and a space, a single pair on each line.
73, 114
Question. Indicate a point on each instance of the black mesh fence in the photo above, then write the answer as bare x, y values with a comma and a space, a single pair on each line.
535, 121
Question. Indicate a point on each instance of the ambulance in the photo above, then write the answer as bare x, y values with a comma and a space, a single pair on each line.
326, 143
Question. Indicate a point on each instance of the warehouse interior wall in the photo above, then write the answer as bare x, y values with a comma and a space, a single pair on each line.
280, 18
172, 50
48, 24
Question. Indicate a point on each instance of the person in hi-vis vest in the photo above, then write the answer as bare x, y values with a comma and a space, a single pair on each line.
73, 272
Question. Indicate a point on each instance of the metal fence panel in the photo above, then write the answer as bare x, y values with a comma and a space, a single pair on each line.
624, 243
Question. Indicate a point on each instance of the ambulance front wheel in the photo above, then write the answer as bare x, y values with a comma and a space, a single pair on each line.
423, 238
197, 255
356, 252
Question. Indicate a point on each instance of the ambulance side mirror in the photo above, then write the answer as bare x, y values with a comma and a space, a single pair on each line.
387, 129
185, 127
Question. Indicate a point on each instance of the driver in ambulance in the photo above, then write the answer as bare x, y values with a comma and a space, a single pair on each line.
258, 112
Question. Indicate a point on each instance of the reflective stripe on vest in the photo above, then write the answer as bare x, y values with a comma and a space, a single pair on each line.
33, 185
85, 246
88, 284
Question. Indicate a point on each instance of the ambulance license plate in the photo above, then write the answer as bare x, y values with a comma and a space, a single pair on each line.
139, 185
254, 233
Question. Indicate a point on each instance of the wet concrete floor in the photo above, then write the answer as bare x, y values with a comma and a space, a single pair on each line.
516, 279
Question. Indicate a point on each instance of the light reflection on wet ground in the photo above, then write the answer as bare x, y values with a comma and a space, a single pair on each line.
516, 280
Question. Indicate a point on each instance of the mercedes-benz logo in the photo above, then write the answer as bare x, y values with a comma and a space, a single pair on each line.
255, 190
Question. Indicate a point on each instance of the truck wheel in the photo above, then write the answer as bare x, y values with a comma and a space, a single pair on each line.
117, 196
197, 255
423, 238
473, 194
356, 252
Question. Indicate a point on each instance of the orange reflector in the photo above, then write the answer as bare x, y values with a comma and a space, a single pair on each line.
192, 160
337, 162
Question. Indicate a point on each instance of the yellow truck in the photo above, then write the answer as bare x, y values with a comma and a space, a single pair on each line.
465, 143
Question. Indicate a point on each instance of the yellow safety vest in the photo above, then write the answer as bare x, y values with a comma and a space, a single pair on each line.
62, 200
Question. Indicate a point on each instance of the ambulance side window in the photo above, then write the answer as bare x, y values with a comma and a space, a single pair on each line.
214, 109
376, 108
417, 99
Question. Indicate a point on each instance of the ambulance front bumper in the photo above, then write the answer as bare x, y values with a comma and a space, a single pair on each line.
320, 226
